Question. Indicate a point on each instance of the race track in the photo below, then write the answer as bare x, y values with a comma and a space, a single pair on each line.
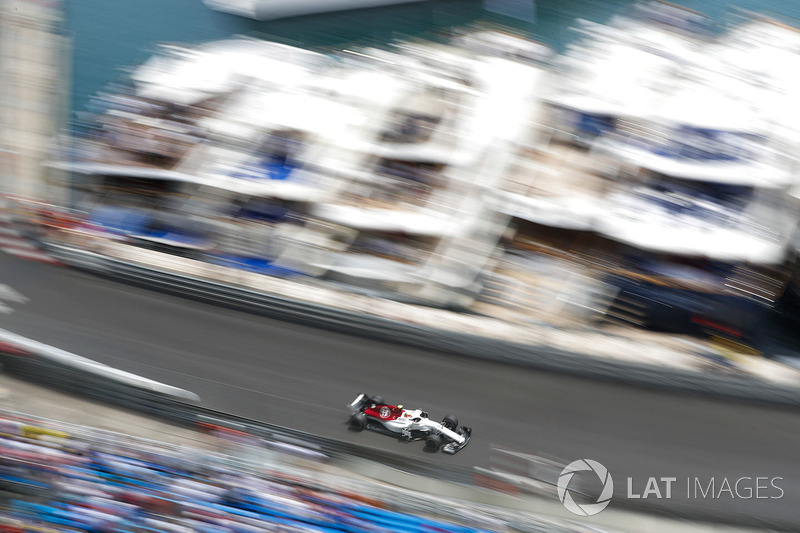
301, 377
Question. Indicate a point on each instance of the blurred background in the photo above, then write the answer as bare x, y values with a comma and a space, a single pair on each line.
602, 188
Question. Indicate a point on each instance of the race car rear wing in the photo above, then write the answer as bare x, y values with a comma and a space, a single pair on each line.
356, 405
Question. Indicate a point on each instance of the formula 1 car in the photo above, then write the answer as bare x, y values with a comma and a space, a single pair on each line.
371, 412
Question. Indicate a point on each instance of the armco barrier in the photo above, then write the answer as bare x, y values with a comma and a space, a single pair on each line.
43, 364
57, 357
546, 358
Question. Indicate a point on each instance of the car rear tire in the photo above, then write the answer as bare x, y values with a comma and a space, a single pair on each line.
357, 422
433, 443
450, 422
377, 400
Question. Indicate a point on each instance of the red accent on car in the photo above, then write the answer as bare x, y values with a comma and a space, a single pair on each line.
384, 412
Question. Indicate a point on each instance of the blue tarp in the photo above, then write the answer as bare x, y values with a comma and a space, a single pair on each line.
121, 220
269, 169
134, 222
595, 124
253, 264
703, 144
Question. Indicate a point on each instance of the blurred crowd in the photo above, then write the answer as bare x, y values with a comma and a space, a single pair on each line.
54, 481
135, 130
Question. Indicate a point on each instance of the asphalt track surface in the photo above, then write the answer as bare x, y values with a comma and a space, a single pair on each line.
283, 373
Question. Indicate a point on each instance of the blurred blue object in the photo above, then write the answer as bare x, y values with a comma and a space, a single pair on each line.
121, 220
254, 264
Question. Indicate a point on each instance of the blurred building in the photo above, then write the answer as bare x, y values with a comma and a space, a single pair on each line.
34, 68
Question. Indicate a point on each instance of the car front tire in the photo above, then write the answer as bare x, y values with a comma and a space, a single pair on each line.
433, 443
450, 422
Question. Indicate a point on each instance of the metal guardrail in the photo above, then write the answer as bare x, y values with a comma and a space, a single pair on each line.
57, 357
429, 337
73, 376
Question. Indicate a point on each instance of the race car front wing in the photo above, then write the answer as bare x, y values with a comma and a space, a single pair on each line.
454, 447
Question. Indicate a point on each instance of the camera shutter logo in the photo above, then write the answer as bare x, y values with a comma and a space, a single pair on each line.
586, 509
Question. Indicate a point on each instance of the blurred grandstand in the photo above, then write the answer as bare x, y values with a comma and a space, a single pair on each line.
60, 477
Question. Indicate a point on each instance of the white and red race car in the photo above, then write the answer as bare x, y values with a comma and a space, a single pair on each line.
371, 412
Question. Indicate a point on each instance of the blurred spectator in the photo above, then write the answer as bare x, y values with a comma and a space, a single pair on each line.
104, 484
